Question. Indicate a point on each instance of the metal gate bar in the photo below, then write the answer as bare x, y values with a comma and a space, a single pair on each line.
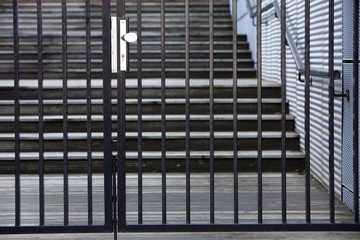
163, 114
235, 116
283, 112
211, 110
139, 76
65, 111
16, 112
88, 111
259, 112
356, 111
106, 38
307, 110
331, 114
187, 111
41, 112
121, 124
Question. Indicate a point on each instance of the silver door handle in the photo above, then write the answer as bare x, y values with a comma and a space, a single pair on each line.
125, 39
129, 37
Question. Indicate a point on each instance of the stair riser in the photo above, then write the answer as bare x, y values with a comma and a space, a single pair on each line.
153, 145
149, 126
248, 92
145, 38
246, 108
181, 64
81, 54
192, 55
48, 67
169, 74
196, 74
97, 55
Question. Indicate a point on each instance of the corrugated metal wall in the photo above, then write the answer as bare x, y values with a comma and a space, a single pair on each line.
319, 89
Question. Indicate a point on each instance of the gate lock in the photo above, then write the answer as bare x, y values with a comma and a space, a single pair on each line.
124, 40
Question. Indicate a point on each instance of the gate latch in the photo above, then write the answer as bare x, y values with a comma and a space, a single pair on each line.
125, 38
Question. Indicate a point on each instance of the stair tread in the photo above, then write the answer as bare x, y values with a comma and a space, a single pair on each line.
154, 117
134, 70
144, 101
132, 51
132, 60
98, 33
148, 135
266, 154
144, 43
132, 83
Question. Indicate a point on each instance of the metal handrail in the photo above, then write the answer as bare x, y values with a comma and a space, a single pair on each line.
290, 41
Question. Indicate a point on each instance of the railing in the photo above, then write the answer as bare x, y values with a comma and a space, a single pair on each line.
300, 66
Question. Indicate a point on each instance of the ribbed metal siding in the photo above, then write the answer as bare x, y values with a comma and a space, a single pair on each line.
347, 155
319, 89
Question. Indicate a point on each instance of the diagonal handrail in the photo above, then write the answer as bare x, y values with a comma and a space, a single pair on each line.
290, 41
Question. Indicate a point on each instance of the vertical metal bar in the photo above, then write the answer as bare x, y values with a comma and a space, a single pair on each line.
259, 113
331, 113
211, 112
356, 112
106, 43
16, 112
114, 195
65, 112
235, 115
41, 111
139, 76
163, 112
187, 110
88, 103
307, 109
283, 110
121, 124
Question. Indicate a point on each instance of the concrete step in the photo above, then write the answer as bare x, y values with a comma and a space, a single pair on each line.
147, 63
53, 50
175, 161
149, 106
151, 141
175, 88
150, 123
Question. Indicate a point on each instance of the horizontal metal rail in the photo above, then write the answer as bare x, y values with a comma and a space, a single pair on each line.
290, 41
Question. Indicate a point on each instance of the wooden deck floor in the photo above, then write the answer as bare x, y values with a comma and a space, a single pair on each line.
200, 203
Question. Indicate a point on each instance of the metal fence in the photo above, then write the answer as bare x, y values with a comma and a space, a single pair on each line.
120, 210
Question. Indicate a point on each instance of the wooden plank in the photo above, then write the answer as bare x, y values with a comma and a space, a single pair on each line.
176, 199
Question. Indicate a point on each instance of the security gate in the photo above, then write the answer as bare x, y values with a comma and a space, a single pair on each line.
57, 144
161, 144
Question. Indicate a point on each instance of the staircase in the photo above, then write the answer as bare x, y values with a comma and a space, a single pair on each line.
175, 93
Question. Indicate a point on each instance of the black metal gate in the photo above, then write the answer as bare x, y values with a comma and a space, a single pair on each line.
147, 199
135, 222
49, 154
